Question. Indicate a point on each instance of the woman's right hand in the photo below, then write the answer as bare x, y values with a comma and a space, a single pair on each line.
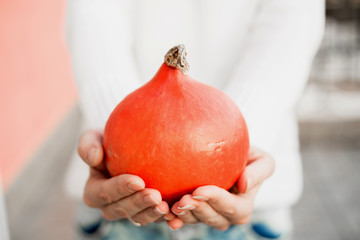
123, 196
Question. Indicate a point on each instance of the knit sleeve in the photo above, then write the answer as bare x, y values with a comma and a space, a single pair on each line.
100, 43
275, 63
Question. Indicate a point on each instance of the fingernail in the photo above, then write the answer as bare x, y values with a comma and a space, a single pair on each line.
248, 181
94, 155
166, 218
158, 211
135, 223
186, 207
180, 213
150, 199
201, 198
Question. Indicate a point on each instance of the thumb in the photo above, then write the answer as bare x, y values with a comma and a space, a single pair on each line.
260, 167
90, 147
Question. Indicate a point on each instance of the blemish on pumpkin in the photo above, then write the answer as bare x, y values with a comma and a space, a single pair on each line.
216, 146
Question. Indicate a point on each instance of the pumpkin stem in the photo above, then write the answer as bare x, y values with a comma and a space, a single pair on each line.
176, 57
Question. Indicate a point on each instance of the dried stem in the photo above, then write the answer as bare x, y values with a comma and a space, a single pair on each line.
176, 57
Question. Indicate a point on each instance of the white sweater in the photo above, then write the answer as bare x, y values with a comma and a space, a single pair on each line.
259, 52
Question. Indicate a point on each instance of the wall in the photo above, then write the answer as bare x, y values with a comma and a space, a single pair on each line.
36, 87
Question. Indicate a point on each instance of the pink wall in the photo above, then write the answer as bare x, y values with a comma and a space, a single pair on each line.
36, 88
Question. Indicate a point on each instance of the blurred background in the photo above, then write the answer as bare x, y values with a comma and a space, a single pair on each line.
40, 124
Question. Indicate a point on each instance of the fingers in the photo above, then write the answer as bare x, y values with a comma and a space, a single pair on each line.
206, 214
175, 223
119, 197
151, 214
234, 208
100, 191
192, 211
219, 198
219, 208
90, 147
183, 211
260, 167
132, 205
169, 216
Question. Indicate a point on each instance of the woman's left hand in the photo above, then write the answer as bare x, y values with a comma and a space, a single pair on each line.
219, 208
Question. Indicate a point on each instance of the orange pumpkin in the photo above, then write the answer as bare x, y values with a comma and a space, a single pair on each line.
176, 133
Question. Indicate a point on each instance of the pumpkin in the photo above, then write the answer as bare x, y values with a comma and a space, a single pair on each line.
176, 133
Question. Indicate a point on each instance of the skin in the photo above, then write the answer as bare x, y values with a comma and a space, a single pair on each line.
126, 196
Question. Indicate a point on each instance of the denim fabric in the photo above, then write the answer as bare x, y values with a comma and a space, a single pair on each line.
125, 230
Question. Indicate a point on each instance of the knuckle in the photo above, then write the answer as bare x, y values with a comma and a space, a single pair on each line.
139, 200
113, 213
120, 212
139, 203
102, 194
228, 211
212, 221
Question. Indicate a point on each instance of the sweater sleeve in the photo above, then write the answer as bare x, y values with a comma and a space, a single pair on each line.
100, 43
274, 64
99, 39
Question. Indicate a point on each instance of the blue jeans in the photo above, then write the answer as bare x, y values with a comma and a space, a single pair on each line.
125, 230
92, 226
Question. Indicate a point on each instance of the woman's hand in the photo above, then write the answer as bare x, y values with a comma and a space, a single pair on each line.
219, 208
124, 196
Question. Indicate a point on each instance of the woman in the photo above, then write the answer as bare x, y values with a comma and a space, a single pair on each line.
257, 52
